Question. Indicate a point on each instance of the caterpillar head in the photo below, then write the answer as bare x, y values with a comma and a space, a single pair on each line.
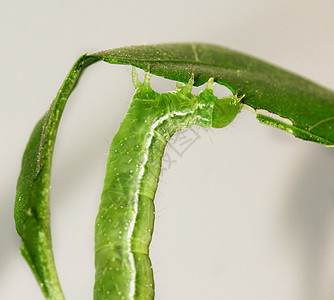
224, 110
218, 113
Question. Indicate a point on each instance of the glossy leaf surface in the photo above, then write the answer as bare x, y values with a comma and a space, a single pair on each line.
307, 105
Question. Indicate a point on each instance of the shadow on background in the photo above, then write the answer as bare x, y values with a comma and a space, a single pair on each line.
9, 240
309, 221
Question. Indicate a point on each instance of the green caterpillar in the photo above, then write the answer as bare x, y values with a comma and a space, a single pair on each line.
124, 224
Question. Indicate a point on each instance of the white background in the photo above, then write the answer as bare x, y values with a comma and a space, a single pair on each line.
246, 213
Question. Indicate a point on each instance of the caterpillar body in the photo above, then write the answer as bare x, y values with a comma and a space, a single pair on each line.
124, 224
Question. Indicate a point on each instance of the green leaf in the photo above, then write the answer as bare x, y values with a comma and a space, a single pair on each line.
31, 212
307, 109
308, 106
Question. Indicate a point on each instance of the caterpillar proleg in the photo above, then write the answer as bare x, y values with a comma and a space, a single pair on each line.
124, 224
